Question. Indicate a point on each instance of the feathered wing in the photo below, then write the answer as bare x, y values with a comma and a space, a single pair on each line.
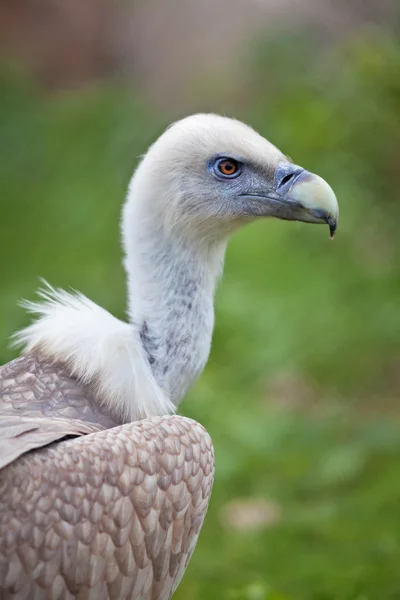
33, 386
41, 403
19, 435
114, 514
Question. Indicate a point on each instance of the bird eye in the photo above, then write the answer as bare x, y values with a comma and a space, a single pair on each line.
228, 167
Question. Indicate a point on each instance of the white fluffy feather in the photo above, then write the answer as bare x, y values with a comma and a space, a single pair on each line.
100, 349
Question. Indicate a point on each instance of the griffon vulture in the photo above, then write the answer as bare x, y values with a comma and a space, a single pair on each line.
103, 489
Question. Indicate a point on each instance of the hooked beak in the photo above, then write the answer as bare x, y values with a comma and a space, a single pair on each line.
297, 195
307, 197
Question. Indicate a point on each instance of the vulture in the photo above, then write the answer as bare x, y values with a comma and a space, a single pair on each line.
103, 487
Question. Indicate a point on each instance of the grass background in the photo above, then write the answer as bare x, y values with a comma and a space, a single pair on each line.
301, 391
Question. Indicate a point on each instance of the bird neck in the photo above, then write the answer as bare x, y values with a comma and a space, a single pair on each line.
171, 284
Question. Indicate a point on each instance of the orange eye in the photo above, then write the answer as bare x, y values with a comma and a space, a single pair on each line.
228, 167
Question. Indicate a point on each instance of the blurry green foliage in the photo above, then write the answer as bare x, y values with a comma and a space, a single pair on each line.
301, 391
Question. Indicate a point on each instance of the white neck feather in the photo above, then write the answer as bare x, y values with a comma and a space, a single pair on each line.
100, 350
171, 284
142, 368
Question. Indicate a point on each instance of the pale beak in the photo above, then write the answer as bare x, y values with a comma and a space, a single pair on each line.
308, 197
296, 195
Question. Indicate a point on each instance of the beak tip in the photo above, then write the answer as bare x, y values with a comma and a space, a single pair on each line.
332, 228
318, 198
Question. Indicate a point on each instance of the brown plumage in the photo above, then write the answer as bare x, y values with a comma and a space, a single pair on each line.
111, 514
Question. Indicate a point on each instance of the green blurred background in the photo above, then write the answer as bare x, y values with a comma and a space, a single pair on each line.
301, 393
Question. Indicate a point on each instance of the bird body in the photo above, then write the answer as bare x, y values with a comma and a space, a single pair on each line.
103, 490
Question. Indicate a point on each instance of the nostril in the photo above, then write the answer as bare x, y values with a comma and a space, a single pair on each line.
287, 178
287, 175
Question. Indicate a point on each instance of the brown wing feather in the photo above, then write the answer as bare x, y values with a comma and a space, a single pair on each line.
23, 434
114, 514
31, 386
40, 403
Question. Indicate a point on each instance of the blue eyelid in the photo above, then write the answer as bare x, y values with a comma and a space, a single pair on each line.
216, 160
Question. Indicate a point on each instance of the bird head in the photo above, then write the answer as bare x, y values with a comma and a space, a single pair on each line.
209, 175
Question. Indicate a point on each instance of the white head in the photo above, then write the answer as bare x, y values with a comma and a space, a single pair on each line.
207, 175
